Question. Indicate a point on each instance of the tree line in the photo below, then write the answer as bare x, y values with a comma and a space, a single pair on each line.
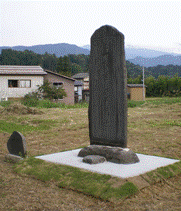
159, 87
71, 64
160, 80
66, 65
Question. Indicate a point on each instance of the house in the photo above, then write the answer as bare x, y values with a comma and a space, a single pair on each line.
17, 81
134, 91
78, 85
62, 81
81, 76
85, 91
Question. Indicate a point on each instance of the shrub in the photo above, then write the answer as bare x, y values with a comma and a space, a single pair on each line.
50, 92
31, 99
131, 105
5, 103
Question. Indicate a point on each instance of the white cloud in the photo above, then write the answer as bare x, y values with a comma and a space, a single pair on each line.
144, 23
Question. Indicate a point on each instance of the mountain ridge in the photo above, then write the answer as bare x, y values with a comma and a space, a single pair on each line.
160, 60
135, 51
59, 49
137, 55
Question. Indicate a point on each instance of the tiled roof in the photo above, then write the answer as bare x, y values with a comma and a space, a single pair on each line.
135, 85
54, 73
81, 75
21, 70
78, 83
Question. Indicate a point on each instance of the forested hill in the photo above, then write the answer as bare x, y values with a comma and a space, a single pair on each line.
60, 49
72, 64
141, 56
160, 60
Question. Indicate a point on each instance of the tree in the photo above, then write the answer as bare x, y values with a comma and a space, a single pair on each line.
162, 83
76, 69
51, 92
139, 79
63, 66
150, 83
49, 61
81, 60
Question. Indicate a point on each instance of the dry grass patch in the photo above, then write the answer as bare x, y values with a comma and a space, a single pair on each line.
152, 130
18, 108
155, 131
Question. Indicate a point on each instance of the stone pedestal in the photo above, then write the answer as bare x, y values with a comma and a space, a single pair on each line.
112, 154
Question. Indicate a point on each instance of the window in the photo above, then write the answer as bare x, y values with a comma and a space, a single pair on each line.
75, 89
19, 83
25, 83
12, 83
58, 84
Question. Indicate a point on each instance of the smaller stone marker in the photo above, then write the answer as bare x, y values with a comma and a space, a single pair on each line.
17, 144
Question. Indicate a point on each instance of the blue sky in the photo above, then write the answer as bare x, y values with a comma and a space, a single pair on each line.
151, 24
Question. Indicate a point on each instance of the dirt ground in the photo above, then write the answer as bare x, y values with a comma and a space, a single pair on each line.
27, 193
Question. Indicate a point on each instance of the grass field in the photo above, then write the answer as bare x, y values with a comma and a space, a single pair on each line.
154, 128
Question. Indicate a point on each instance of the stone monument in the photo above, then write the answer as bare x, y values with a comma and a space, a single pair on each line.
108, 96
16, 146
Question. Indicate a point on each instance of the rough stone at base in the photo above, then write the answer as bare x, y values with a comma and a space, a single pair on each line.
94, 159
112, 154
13, 158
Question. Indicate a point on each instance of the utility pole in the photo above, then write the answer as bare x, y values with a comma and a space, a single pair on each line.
143, 86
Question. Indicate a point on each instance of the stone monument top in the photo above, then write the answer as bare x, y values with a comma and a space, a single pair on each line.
107, 86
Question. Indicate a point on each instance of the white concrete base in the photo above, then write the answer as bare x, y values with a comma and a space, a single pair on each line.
147, 163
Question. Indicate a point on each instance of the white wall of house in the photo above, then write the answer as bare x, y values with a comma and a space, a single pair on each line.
80, 92
17, 92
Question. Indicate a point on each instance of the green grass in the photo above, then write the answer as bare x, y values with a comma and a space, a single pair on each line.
94, 184
23, 128
164, 100
131, 103
172, 123
47, 104
165, 123
163, 173
5, 103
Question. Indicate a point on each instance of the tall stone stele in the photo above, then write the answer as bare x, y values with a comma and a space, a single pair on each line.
108, 94
108, 83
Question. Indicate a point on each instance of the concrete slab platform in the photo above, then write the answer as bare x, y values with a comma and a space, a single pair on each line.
147, 163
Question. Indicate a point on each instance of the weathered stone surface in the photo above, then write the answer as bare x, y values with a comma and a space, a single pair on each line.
17, 144
107, 85
94, 159
112, 154
13, 158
